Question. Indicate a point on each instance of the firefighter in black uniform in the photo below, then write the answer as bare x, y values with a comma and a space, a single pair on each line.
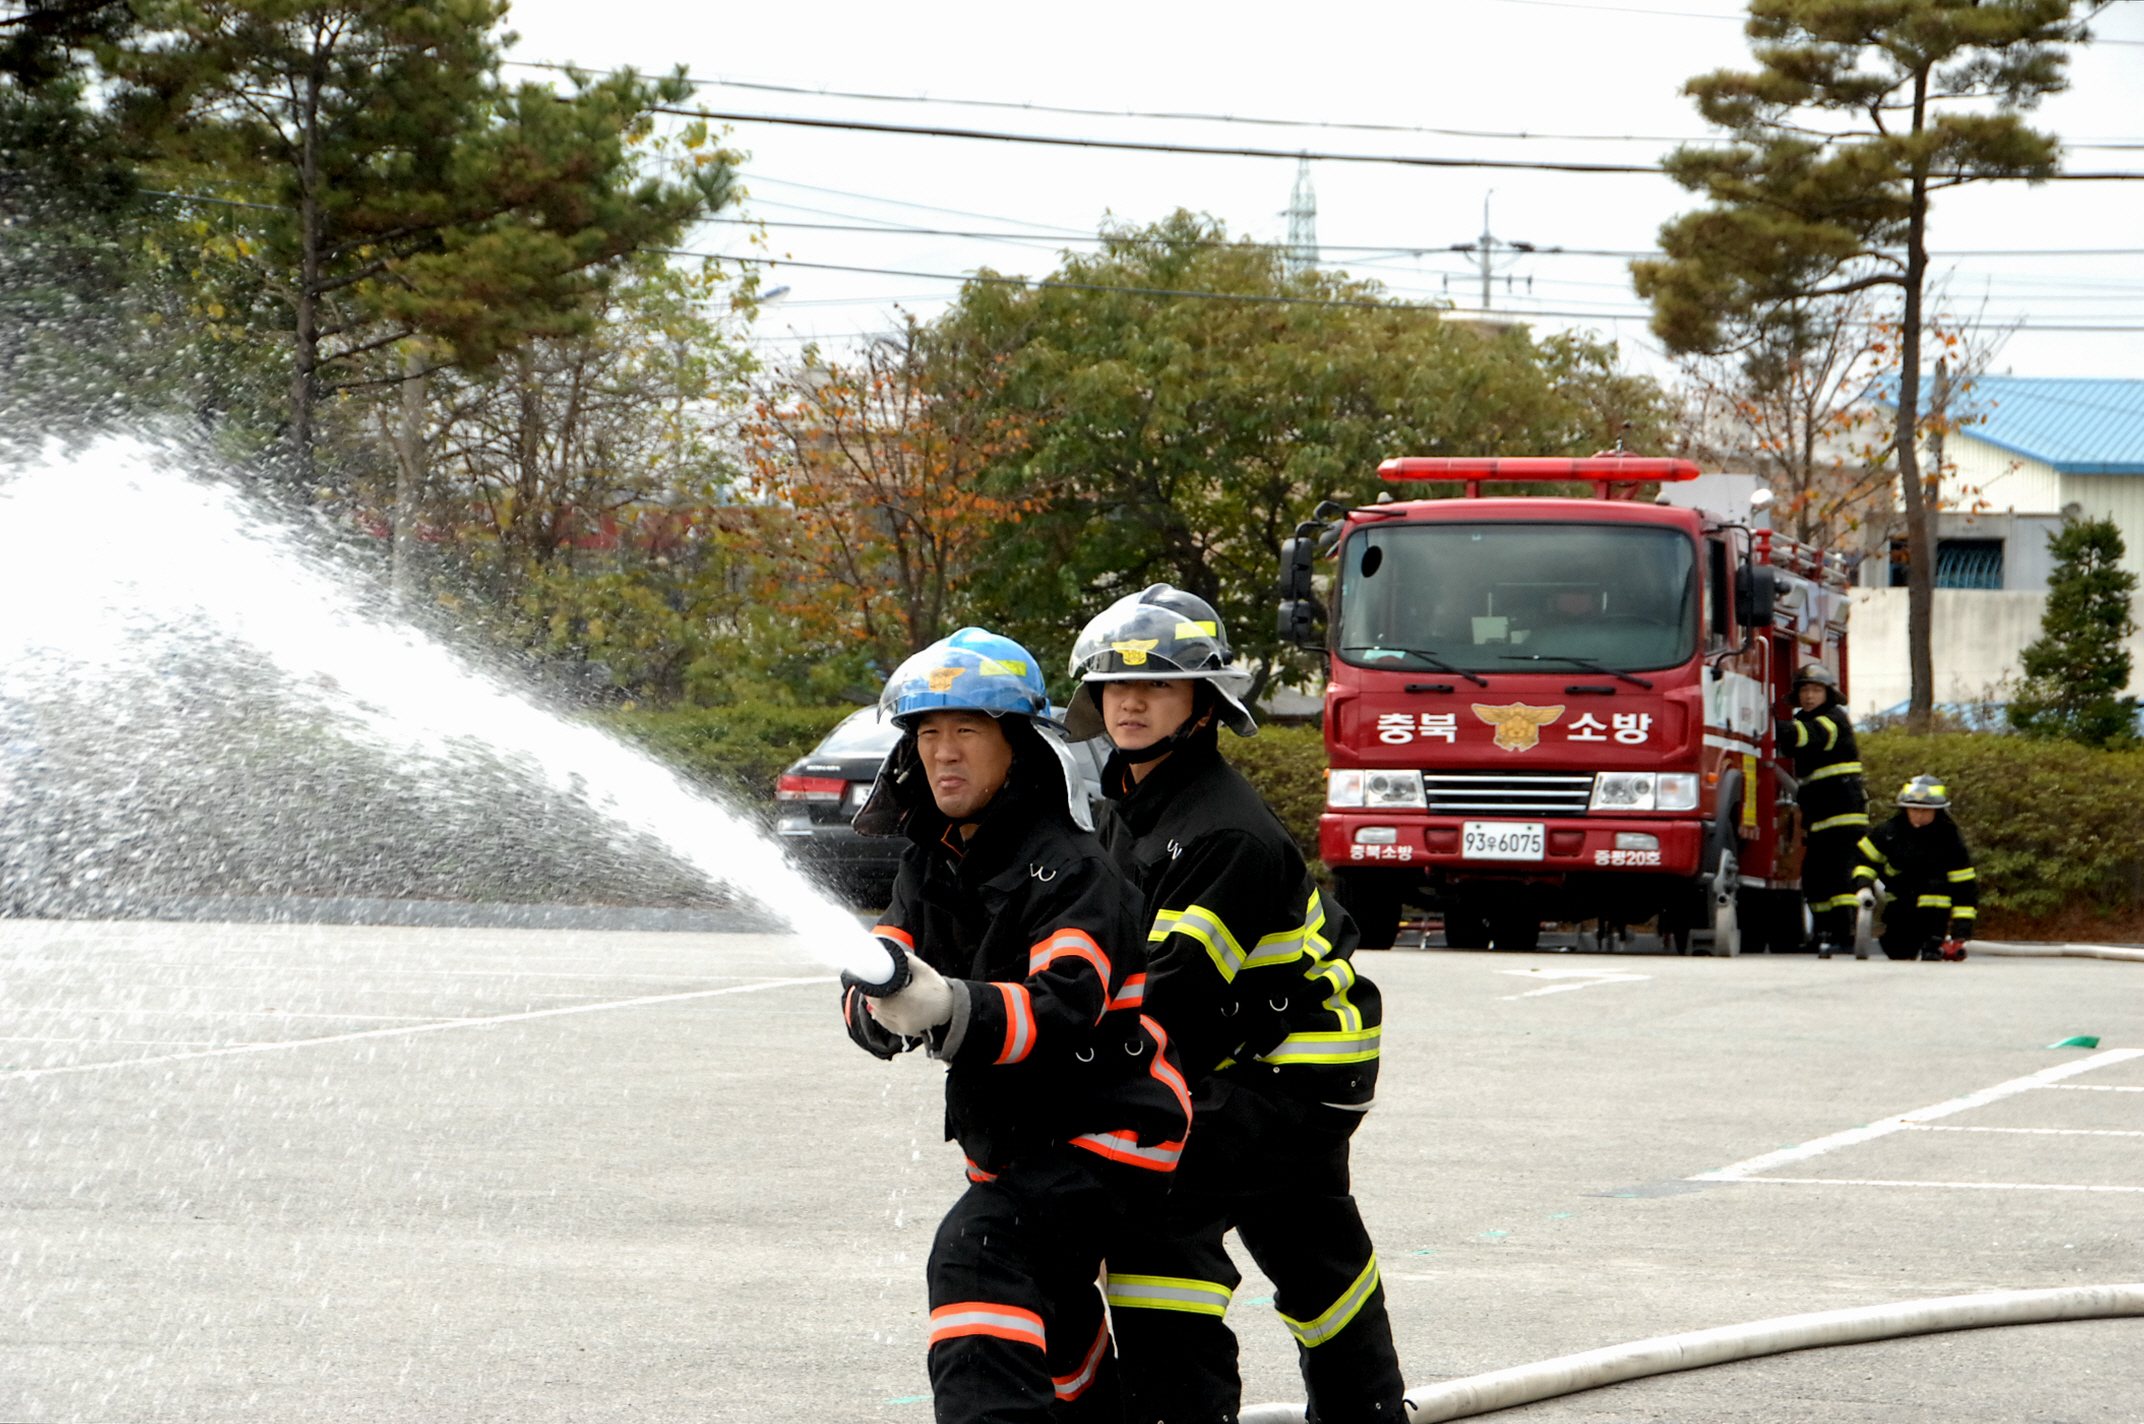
1248, 969
1835, 808
1927, 874
1018, 953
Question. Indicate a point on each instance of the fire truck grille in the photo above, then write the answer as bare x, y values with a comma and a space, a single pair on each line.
1505, 793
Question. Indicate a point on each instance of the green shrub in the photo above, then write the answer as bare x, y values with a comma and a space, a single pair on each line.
1287, 765
2053, 826
739, 749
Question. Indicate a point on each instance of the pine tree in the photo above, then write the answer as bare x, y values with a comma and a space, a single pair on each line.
392, 184
2074, 674
1858, 113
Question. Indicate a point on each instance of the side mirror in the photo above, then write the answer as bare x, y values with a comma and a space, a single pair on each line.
1296, 558
1298, 625
1754, 592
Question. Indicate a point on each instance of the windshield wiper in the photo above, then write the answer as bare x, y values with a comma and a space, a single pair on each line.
1589, 664
1428, 657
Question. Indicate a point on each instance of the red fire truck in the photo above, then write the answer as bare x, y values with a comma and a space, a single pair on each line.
1549, 709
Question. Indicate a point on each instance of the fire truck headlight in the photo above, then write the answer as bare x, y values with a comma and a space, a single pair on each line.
1343, 788
1678, 791
1623, 791
1393, 788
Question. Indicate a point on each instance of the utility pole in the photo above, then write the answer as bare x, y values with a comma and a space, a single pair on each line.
1483, 250
1301, 255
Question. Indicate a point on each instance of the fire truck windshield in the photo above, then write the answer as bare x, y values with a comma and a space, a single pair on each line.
1470, 595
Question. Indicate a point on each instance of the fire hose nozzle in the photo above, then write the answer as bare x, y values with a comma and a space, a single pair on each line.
897, 956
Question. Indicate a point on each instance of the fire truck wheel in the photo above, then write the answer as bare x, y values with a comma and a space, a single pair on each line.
1514, 932
1374, 898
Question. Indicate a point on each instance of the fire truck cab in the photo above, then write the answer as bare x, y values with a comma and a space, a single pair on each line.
1549, 709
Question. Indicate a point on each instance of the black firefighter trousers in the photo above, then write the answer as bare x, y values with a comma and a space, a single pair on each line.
1017, 1331
1277, 1172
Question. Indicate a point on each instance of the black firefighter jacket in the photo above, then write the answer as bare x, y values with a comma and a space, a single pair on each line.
1048, 1042
1926, 867
1247, 963
1827, 763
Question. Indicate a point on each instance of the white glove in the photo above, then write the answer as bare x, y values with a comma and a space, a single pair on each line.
1865, 898
925, 1003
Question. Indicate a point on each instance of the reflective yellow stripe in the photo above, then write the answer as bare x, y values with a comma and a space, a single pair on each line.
1313, 1333
1285, 946
1831, 732
1934, 902
1357, 1045
1801, 734
1964, 912
1832, 823
1959, 877
1199, 923
1837, 768
1167, 1293
1836, 902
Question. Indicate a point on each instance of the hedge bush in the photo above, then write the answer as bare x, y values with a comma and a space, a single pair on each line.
1287, 765
2055, 828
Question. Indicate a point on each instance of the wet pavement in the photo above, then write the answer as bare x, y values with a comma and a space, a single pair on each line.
300, 1172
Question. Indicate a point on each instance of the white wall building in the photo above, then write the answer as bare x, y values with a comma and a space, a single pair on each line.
2036, 450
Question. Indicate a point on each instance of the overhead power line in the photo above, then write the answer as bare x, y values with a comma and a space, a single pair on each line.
1253, 120
1406, 160
992, 279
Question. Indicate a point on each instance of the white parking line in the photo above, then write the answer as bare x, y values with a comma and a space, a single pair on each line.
2047, 1077
1964, 1186
410, 1029
2095, 1088
2048, 1131
1591, 977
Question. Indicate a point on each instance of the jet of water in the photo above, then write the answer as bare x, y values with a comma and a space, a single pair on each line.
116, 560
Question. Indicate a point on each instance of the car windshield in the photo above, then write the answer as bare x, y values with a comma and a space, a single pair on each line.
861, 733
1518, 597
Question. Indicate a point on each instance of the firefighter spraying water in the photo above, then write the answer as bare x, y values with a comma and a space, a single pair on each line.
1563, 709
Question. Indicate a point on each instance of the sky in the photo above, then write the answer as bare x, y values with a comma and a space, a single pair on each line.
1586, 82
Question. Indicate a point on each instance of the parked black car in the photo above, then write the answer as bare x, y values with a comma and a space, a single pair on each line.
822, 791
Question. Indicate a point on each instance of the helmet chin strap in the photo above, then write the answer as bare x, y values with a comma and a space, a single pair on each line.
1202, 710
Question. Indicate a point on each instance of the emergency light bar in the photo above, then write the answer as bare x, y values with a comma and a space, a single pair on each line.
1602, 470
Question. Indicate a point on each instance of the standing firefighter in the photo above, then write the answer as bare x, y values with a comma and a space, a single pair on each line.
1248, 970
1835, 808
1927, 873
1019, 955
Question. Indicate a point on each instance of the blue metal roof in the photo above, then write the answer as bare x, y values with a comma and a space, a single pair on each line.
2081, 426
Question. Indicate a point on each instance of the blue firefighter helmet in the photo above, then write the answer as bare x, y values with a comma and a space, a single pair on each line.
974, 670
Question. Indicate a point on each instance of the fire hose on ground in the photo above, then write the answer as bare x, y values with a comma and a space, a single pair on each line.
1666, 1354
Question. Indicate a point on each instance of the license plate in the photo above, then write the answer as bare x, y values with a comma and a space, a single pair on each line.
1503, 840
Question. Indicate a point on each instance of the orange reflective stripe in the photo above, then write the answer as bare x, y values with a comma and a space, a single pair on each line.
1019, 1023
977, 1174
981, 1317
1132, 995
894, 932
1068, 944
1162, 1069
1124, 1147
1073, 1385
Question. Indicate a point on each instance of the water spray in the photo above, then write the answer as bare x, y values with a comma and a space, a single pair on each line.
181, 564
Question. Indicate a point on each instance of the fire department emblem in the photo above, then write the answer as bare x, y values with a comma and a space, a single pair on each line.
1134, 650
943, 678
1518, 727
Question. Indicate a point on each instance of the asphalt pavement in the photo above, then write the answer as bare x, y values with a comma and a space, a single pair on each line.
281, 1172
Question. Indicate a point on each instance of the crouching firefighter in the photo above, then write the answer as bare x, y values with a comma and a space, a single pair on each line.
1248, 970
1019, 955
1927, 873
1835, 808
